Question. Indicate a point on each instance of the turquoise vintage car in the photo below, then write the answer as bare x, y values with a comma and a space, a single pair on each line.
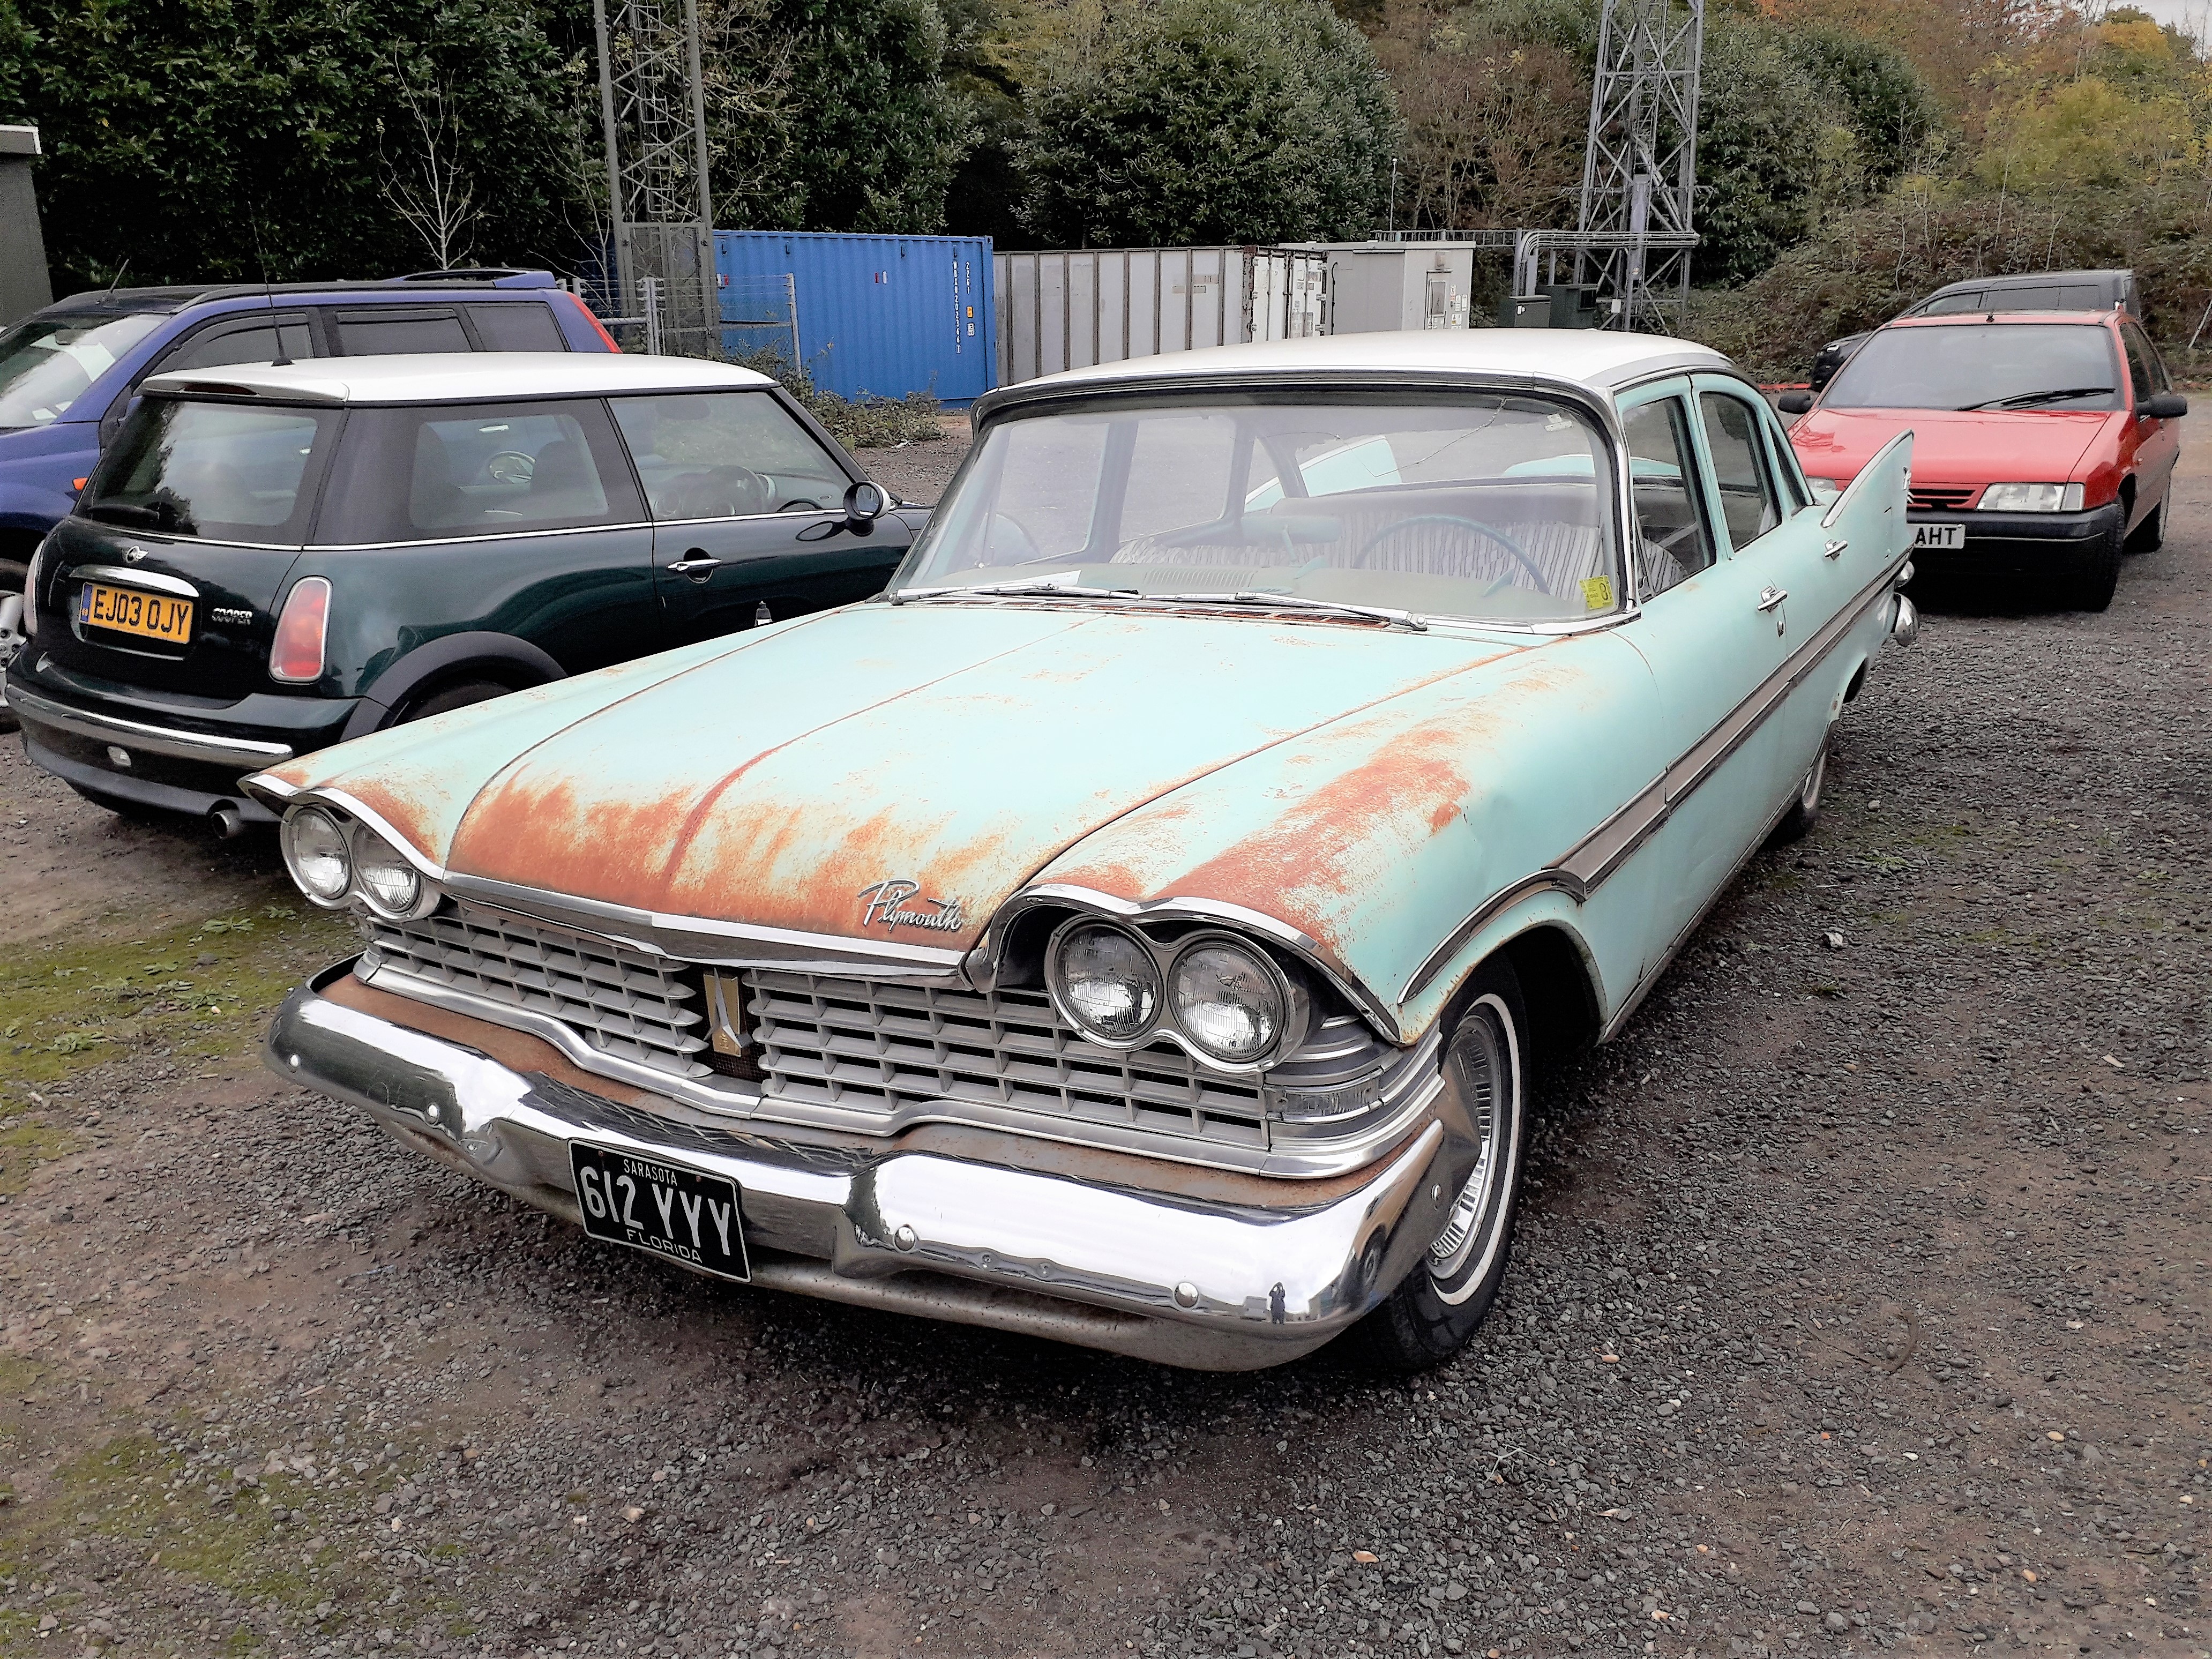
1136, 926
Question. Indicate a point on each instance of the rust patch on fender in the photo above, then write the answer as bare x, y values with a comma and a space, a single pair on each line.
390, 799
541, 835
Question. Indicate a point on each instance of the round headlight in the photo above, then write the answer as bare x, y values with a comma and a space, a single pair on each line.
315, 852
387, 881
1107, 982
1227, 1002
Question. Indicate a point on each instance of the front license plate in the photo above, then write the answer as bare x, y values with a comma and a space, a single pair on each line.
661, 1208
152, 616
1938, 538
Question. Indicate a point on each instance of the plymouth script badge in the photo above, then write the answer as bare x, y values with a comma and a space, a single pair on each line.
900, 903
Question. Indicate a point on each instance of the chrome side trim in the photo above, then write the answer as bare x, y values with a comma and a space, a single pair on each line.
117, 573
728, 1099
1155, 1271
1843, 496
135, 734
984, 961
492, 535
1584, 867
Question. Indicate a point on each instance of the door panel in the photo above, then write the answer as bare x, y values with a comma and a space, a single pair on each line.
748, 521
1713, 649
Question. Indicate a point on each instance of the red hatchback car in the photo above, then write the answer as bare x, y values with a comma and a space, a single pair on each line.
2042, 442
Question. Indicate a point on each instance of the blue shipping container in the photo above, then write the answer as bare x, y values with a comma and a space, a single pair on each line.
878, 316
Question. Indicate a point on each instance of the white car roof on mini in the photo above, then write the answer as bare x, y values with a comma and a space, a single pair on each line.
1599, 360
455, 377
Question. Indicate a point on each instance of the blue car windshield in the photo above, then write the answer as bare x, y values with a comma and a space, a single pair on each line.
47, 361
1488, 506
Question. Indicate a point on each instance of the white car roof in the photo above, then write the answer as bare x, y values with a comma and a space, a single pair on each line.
455, 377
1599, 360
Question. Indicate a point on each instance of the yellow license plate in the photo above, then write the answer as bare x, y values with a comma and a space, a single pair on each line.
153, 616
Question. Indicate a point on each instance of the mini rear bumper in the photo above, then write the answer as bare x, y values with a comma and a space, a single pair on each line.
1150, 1272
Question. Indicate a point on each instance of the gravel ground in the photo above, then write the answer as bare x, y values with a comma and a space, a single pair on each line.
1858, 1304
919, 472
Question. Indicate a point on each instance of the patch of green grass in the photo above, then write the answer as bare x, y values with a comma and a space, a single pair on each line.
73, 1004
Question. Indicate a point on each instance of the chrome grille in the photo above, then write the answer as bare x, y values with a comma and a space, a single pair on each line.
876, 1048
622, 1003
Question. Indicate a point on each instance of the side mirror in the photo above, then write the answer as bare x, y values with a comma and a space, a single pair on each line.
2162, 406
1794, 402
865, 502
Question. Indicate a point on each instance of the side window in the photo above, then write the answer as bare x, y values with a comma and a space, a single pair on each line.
517, 325
254, 342
1950, 304
367, 334
726, 455
1675, 542
1749, 498
440, 474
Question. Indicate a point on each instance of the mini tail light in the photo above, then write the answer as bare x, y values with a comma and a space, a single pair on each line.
297, 656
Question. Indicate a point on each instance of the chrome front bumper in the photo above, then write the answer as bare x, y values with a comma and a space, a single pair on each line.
1147, 1272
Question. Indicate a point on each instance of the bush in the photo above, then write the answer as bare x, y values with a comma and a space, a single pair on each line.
873, 423
1209, 121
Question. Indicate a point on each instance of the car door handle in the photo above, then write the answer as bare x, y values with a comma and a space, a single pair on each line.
695, 564
1834, 548
1770, 596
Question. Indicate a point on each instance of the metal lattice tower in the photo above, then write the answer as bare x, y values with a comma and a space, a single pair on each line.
1640, 166
652, 104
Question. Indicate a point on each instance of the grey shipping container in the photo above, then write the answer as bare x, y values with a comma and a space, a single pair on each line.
1070, 308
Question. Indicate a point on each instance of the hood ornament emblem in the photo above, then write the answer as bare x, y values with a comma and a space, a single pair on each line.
133, 554
885, 903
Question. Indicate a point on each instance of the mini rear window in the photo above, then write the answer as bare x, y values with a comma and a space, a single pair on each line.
221, 472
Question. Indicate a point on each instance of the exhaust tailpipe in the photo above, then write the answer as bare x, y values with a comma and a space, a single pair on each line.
230, 821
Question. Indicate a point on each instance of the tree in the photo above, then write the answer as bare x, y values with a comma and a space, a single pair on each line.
1209, 121
248, 138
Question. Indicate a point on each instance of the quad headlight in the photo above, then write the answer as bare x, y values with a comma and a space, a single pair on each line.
334, 857
1107, 982
316, 854
1219, 997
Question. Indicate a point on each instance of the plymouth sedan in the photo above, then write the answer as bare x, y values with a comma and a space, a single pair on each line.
1138, 926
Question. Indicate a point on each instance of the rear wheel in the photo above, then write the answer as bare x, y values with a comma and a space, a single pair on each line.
1430, 1316
459, 694
1806, 808
2097, 573
2150, 535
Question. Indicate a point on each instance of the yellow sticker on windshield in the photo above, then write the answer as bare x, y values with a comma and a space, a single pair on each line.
1597, 593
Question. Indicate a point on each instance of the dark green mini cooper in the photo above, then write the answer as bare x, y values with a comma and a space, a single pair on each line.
270, 560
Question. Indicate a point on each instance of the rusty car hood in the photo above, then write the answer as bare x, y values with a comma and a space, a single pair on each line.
781, 777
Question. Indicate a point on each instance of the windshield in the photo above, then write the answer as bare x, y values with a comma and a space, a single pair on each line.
1982, 366
220, 471
1489, 507
47, 361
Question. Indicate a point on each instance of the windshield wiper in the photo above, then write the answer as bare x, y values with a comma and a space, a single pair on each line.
1043, 587
1298, 602
2023, 399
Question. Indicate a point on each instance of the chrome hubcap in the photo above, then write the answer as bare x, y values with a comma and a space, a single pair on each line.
1483, 1077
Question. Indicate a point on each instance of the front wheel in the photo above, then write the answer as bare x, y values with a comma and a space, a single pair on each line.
1431, 1313
2091, 584
2150, 535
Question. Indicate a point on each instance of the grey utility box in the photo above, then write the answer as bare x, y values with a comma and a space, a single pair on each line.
23, 283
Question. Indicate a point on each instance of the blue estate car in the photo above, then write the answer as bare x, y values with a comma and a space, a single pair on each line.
1133, 927
70, 373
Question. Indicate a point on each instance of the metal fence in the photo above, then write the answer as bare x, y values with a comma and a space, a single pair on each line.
760, 319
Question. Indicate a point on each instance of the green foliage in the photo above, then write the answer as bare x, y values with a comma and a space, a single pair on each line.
1877, 94
235, 139
1759, 141
1207, 121
832, 115
872, 423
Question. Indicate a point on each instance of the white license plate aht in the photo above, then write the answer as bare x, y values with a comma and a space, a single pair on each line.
1938, 538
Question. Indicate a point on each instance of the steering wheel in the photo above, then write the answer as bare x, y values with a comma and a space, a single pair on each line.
1498, 536
727, 492
511, 466
799, 504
